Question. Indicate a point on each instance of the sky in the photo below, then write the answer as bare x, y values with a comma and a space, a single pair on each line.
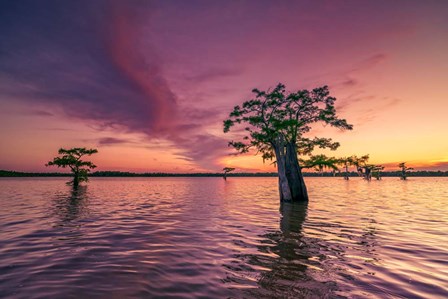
148, 83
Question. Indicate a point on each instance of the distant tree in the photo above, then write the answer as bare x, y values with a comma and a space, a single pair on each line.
404, 170
369, 170
276, 124
352, 161
71, 158
320, 162
345, 162
226, 171
376, 171
364, 170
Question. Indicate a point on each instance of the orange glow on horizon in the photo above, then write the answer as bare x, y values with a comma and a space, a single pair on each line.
150, 89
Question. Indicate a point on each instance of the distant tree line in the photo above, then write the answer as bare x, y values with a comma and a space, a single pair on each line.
415, 173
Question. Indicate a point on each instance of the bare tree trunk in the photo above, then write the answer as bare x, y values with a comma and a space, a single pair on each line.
76, 180
346, 172
368, 174
294, 174
283, 184
290, 179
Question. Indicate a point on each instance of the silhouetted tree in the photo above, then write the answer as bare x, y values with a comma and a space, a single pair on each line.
367, 172
404, 170
345, 161
376, 171
320, 162
371, 170
226, 171
71, 158
351, 161
277, 122
364, 170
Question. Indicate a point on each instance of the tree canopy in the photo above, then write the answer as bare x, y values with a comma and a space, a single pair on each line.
276, 114
228, 169
320, 162
404, 170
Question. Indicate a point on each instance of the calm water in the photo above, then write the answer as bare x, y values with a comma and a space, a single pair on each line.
210, 238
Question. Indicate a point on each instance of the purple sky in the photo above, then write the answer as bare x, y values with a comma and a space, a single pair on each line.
153, 80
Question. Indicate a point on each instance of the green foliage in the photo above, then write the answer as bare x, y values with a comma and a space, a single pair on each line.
354, 160
404, 170
404, 167
276, 114
71, 158
376, 170
320, 162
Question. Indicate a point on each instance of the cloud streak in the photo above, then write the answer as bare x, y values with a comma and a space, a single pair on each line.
92, 65
85, 63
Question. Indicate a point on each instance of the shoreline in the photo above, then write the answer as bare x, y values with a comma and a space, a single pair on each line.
8, 173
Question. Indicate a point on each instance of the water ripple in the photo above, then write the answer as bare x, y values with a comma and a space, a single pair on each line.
210, 238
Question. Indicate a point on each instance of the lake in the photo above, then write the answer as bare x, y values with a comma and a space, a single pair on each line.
210, 238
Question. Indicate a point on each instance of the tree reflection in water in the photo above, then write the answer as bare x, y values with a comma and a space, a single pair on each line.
67, 208
285, 265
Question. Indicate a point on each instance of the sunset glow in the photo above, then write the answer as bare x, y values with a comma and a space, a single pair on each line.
149, 83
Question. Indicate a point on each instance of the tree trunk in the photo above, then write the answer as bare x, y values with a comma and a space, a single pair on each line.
403, 175
368, 174
290, 179
76, 180
294, 174
283, 184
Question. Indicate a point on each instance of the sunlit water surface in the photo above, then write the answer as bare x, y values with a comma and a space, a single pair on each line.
210, 238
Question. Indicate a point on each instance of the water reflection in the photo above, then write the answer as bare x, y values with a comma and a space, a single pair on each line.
289, 267
286, 261
69, 207
210, 238
68, 211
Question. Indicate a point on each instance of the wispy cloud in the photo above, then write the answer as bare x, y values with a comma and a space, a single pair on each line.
349, 82
369, 62
37, 112
91, 66
113, 141
213, 74
88, 64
